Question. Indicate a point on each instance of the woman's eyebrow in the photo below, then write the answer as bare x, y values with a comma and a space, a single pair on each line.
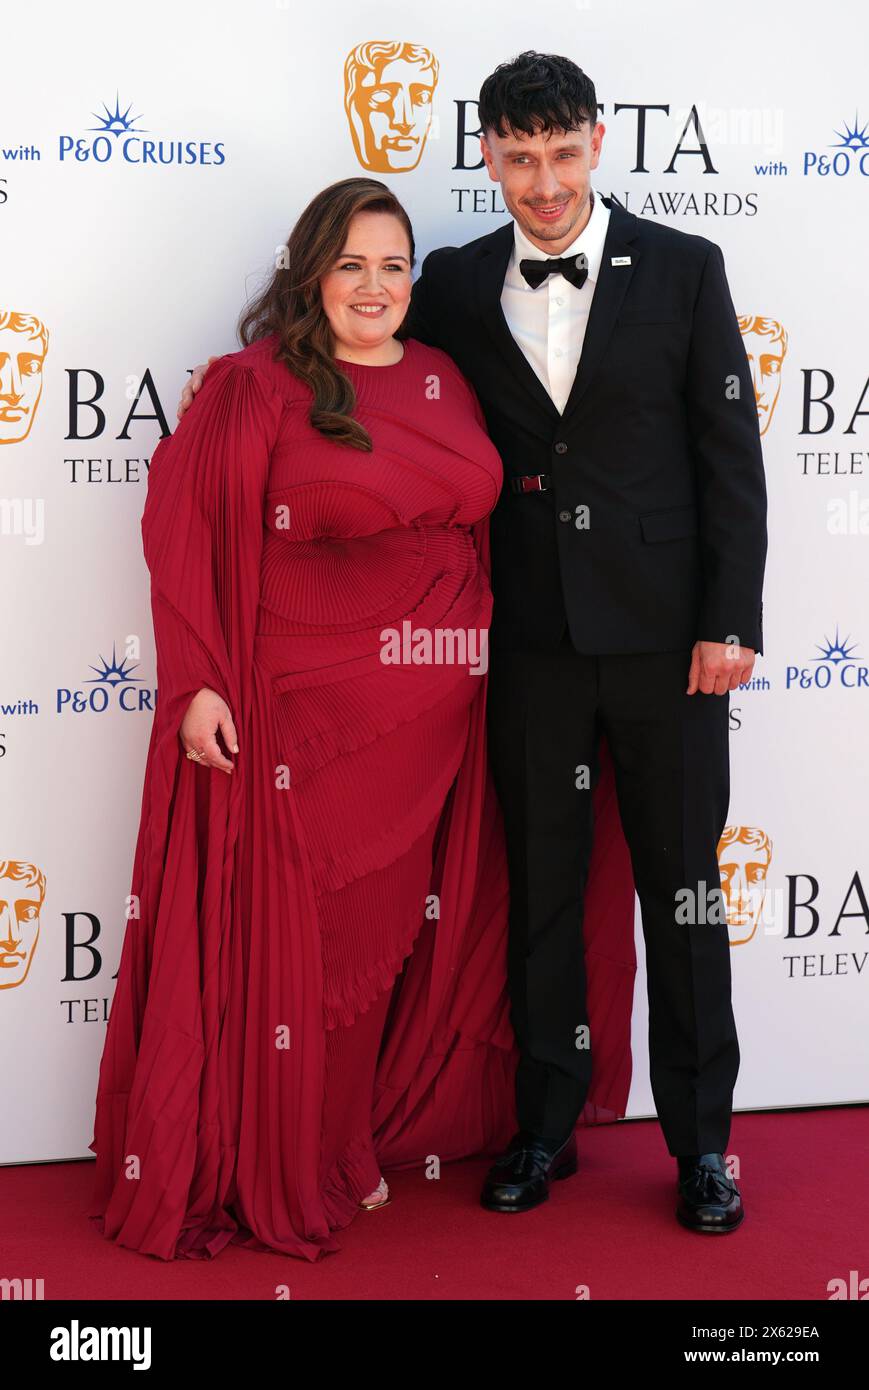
365, 258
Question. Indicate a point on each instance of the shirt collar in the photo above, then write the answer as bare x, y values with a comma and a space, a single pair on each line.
590, 240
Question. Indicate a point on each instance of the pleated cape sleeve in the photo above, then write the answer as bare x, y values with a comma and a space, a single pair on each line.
202, 1091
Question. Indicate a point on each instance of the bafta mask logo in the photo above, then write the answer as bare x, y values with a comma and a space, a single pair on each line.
22, 889
766, 343
23, 345
388, 93
744, 854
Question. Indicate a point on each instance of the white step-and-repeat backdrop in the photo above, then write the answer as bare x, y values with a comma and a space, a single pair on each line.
151, 160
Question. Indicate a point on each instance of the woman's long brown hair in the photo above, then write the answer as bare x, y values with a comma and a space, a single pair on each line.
290, 304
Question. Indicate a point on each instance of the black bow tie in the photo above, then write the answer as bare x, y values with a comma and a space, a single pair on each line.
573, 268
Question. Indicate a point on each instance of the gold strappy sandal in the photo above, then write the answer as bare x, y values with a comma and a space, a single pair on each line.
378, 1198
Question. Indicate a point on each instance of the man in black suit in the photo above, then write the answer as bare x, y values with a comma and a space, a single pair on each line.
628, 550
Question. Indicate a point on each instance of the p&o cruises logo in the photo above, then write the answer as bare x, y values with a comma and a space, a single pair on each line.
851, 157
119, 136
835, 666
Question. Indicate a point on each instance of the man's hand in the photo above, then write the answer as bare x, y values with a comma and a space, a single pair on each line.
193, 386
717, 667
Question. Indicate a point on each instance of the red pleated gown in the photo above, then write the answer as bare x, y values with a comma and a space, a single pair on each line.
312, 986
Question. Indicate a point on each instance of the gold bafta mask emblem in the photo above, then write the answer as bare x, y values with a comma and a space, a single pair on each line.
766, 343
388, 92
23, 345
744, 854
22, 889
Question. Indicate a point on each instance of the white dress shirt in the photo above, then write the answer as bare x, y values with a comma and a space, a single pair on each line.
549, 323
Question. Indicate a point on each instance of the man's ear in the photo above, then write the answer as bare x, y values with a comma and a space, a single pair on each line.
596, 143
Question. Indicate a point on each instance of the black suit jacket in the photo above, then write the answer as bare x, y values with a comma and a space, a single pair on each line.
659, 441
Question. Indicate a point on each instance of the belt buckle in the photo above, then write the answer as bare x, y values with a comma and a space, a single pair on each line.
530, 482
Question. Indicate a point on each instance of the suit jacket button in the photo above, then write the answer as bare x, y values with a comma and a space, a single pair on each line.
565, 516
561, 447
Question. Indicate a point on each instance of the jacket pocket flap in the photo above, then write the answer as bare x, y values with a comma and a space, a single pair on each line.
669, 524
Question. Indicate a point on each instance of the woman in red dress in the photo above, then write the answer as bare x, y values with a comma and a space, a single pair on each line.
312, 985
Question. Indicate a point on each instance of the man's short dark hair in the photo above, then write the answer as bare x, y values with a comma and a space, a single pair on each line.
534, 92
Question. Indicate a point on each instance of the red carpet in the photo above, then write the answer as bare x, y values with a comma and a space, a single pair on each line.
803, 1180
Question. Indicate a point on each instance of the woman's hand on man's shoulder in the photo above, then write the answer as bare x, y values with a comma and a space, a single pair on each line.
193, 385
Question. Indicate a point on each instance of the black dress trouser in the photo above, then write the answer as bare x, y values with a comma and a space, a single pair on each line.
546, 711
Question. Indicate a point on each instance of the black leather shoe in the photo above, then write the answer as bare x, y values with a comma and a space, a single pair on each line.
709, 1200
520, 1178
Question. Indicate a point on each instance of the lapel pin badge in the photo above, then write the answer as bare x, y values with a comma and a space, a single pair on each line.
620, 260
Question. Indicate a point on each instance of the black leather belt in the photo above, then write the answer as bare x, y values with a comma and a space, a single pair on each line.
536, 482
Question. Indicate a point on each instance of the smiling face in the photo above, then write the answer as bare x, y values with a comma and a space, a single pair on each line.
545, 180
365, 296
